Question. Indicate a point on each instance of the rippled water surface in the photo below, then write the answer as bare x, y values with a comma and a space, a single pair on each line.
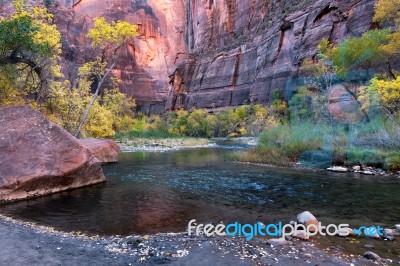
160, 192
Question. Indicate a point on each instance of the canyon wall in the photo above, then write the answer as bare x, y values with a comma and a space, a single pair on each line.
146, 64
241, 51
209, 53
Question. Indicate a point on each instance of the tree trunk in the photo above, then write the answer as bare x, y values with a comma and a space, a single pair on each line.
96, 94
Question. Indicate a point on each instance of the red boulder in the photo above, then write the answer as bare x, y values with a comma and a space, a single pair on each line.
38, 157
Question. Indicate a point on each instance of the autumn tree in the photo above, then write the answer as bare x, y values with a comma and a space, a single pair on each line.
107, 38
356, 52
29, 44
388, 12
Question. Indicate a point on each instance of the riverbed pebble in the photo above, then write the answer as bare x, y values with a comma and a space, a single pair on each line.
372, 232
368, 173
308, 256
308, 220
338, 169
278, 242
372, 256
389, 234
301, 234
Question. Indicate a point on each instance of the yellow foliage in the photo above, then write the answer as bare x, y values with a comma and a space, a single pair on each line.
105, 34
47, 33
388, 91
393, 47
389, 11
99, 123
386, 10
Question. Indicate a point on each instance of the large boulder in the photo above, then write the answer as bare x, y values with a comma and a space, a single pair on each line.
38, 157
106, 150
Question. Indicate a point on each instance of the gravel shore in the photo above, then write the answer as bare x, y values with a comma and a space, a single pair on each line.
23, 243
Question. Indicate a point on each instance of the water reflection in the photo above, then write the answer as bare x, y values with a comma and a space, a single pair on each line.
161, 192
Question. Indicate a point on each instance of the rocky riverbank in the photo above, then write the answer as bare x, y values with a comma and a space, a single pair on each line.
163, 144
171, 144
24, 243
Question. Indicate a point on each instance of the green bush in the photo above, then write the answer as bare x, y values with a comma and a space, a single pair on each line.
247, 120
392, 162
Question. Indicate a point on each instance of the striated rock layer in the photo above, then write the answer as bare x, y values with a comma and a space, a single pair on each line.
38, 157
241, 51
210, 53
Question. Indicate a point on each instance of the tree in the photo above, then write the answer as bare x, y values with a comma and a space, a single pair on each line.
29, 44
108, 38
356, 52
388, 11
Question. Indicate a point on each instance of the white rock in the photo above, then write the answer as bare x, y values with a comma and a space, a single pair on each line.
397, 227
278, 242
368, 173
308, 256
343, 232
388, 232
305, 217
302, 235
338, 169
356, 168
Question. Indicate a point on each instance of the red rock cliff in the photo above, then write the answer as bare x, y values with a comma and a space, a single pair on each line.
211, 53
240, 51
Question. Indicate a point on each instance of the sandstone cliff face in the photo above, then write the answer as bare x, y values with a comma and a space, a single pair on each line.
210, 53
145, 64
240, 51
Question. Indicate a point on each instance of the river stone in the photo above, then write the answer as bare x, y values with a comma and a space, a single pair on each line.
308, 219
372, 256
338, 169
308, 256
38, 157
368, 173
372, 232
397, 227
278, 242
105, 150
301, 234
344, 232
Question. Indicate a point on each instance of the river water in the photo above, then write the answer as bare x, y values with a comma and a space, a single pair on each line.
149, 192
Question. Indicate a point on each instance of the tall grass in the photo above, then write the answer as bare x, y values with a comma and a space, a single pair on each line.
359, 144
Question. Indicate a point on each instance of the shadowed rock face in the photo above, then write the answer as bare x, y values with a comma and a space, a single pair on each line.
39, 158
210, 53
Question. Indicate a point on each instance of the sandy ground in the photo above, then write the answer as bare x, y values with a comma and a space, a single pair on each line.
26, 244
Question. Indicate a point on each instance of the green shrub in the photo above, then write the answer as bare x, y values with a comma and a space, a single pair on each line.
392, 162
357, 156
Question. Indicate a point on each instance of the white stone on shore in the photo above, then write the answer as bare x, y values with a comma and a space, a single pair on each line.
338, 169
278, 242
368, 173
301, 234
